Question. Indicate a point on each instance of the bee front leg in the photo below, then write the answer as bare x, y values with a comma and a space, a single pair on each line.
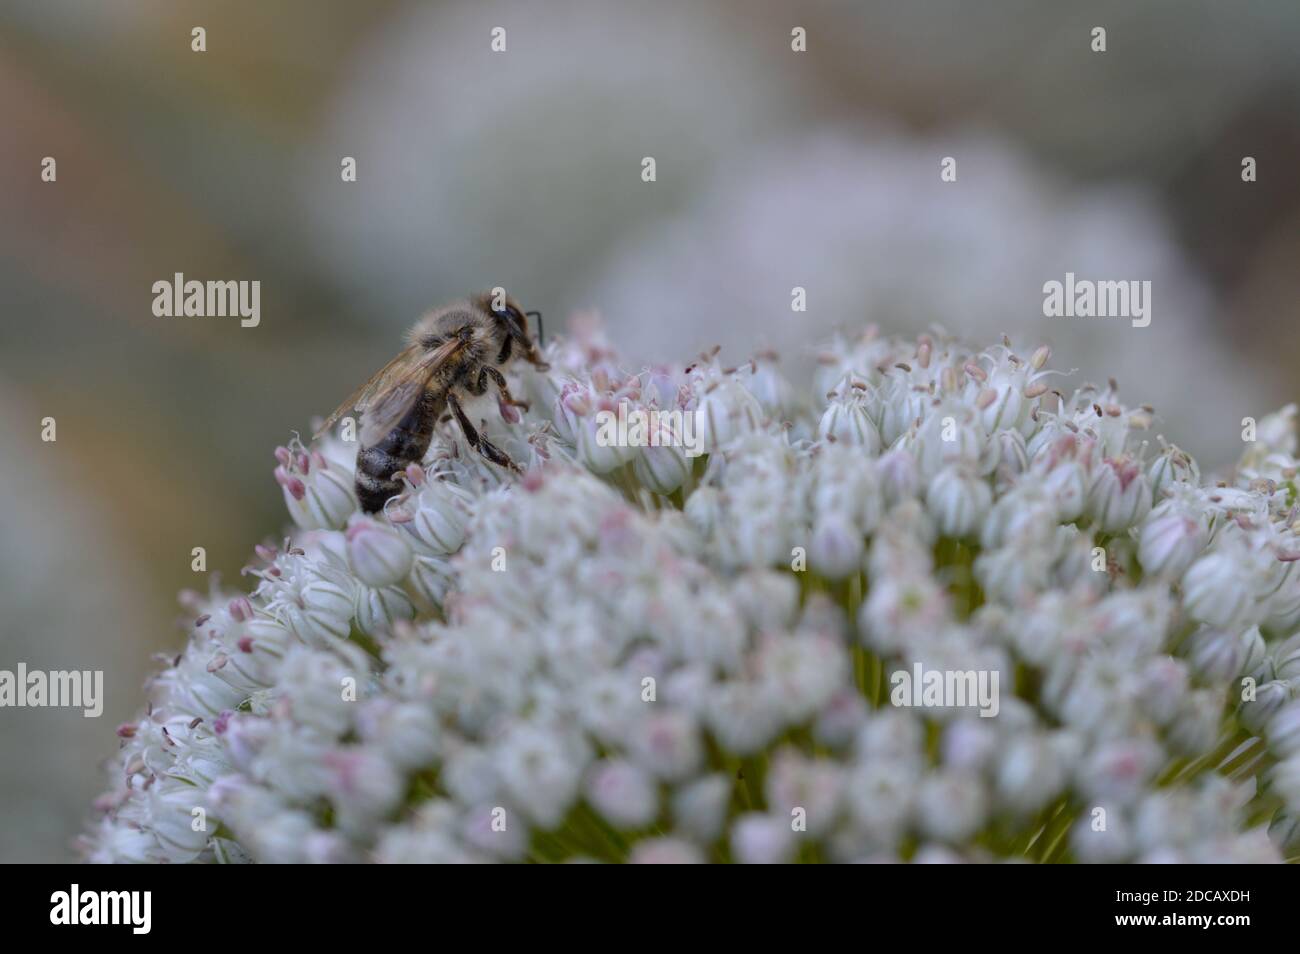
485, 447
503, 389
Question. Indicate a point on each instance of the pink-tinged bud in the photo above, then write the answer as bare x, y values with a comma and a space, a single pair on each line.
377, 553
1067, 484
568, 411
578, 402
1169, 542
836, 547
533, 481
318, 498
284, 457
508, 412
294, 487
898, 475
1120, 495
240, 609
126, 730
1035, 389
261, 647
264, 553
415, 475
923, 351
217, 662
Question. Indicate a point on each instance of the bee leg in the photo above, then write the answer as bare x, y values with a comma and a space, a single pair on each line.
499, 380
485, 447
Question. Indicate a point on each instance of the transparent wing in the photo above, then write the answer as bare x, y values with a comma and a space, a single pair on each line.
389, 408
379, 381
386, 397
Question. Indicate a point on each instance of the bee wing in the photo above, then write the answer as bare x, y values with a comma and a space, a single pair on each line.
359, 398
385, 399
389, 408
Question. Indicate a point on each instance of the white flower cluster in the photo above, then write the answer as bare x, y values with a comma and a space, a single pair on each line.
631, 655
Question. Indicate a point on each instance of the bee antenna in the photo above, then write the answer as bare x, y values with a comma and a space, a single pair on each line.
541, 340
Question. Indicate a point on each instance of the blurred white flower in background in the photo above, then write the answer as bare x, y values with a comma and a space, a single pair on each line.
524, 174
866, 227
501, 182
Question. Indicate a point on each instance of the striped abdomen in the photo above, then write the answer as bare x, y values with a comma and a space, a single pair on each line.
404, 444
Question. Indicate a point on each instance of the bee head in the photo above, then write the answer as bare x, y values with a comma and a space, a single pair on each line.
508, 313
511, 327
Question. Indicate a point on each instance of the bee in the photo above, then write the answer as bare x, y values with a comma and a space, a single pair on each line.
453, 351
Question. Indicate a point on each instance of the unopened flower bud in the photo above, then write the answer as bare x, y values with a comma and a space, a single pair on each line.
1270, 697
1283, 730
836, 547
1215, 654
725, 412
1120, 495
662, 469
377, 553
439, 515
846, 421
1216, 589
898, 475
379, 609
1171, 468
1168, 543
318, 497
758, 839
1067, 483
625, 794
958, 500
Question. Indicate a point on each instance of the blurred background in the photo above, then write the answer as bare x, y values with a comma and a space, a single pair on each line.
523, 169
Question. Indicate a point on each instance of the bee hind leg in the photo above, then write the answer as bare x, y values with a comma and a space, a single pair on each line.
485, 447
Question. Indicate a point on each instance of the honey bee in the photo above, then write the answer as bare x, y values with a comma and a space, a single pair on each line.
452, 351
